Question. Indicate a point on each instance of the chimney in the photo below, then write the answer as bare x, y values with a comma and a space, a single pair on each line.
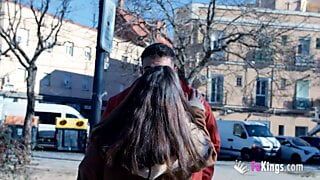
121, 4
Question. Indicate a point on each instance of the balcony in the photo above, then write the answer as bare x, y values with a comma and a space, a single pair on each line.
304, 60
262, 58
299, 62
302, 103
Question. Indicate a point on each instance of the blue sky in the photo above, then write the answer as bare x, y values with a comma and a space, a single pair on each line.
83, 11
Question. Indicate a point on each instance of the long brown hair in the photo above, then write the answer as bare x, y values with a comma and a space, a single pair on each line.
150, 126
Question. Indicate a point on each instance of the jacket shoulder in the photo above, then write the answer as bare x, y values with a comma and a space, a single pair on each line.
119, 97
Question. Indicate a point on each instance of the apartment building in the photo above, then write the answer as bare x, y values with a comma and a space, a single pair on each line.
65, 72
279, 86
292, 5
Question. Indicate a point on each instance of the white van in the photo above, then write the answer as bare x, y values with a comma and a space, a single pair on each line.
47, 114
246, 139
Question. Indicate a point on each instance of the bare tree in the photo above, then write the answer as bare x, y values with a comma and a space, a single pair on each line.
47, 20
183, 22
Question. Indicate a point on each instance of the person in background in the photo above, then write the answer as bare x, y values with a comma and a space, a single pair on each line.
154, 133
162, 55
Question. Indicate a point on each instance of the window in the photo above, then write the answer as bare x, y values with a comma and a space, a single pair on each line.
215, 40
237, 130
69, 48
22, 37
258, 130
217, 89
301, 131
283, 83
288, 5
318, 43
284, 40
87, 53
49, 42
25, 73
299, 142
198, 57
263, 55
125, 58
47, 117
302, 95
67, 81
194, 36
281, 140
304, 46
262, 92
70, 138
71, 116
281, 130
47, 80
2, 82
85, 85
239, 81
216, 43
303, 57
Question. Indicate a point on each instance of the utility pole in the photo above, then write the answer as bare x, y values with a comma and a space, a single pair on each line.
107, 11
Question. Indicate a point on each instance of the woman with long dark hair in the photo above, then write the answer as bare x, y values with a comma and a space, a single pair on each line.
155, 133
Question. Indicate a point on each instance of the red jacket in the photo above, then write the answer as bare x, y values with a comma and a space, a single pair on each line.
205, 174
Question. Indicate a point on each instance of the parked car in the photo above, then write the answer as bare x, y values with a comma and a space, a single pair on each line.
297, 150
312, 140
246, 139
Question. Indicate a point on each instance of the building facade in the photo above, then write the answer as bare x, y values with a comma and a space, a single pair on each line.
277, 81
292, 5
65, 72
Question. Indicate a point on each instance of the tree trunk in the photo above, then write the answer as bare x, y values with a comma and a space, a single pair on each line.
27, 129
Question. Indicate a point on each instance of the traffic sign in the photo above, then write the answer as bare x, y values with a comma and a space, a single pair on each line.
107, 24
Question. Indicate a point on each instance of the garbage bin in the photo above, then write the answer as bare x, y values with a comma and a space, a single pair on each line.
15, 124
71, 134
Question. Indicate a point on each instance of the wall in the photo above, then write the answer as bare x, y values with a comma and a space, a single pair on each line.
288, 122
61, 73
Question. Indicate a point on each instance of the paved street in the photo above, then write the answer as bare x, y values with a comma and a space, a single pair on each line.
63, 166
55, 165
224, 171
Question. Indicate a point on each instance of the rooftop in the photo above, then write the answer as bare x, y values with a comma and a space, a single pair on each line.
256, 9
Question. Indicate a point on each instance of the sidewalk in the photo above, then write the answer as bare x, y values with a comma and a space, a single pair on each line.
54, 165
64, 166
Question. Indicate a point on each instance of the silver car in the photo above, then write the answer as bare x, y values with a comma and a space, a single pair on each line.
297, 150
